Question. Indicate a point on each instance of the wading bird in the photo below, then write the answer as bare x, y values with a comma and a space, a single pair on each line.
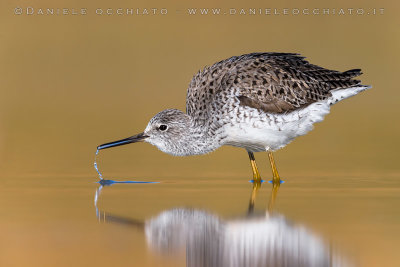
259, 102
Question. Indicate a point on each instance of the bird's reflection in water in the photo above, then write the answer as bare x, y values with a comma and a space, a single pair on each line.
267, 240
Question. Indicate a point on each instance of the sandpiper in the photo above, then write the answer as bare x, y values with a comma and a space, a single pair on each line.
258, 101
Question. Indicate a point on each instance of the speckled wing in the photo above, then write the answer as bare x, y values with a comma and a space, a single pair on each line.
272, 82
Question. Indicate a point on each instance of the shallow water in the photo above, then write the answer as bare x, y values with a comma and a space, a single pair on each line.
69, 83
316, 221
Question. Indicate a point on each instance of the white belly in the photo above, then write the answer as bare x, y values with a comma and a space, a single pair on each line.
257, 131
273, 131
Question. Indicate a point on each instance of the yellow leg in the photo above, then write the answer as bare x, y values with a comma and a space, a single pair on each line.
256, 186
256, 174
275, 176
256, 181
275, 188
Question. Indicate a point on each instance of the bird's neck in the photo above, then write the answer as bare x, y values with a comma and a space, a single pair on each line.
199, 140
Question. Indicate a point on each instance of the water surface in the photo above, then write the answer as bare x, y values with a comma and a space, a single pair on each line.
69, 83
328, 221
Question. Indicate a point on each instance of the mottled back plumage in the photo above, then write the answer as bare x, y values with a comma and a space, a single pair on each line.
270, 82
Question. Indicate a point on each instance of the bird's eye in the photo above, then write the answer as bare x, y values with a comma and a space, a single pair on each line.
163, 127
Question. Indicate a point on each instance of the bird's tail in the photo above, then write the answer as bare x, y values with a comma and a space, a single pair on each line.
343, 93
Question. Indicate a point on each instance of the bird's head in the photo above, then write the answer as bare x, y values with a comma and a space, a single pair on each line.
168, 131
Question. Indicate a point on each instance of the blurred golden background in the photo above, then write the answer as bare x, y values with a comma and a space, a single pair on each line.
71, 82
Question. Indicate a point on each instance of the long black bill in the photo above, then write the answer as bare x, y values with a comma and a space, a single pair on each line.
133, 139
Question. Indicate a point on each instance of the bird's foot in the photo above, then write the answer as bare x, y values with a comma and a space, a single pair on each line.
276, 181
256, 181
